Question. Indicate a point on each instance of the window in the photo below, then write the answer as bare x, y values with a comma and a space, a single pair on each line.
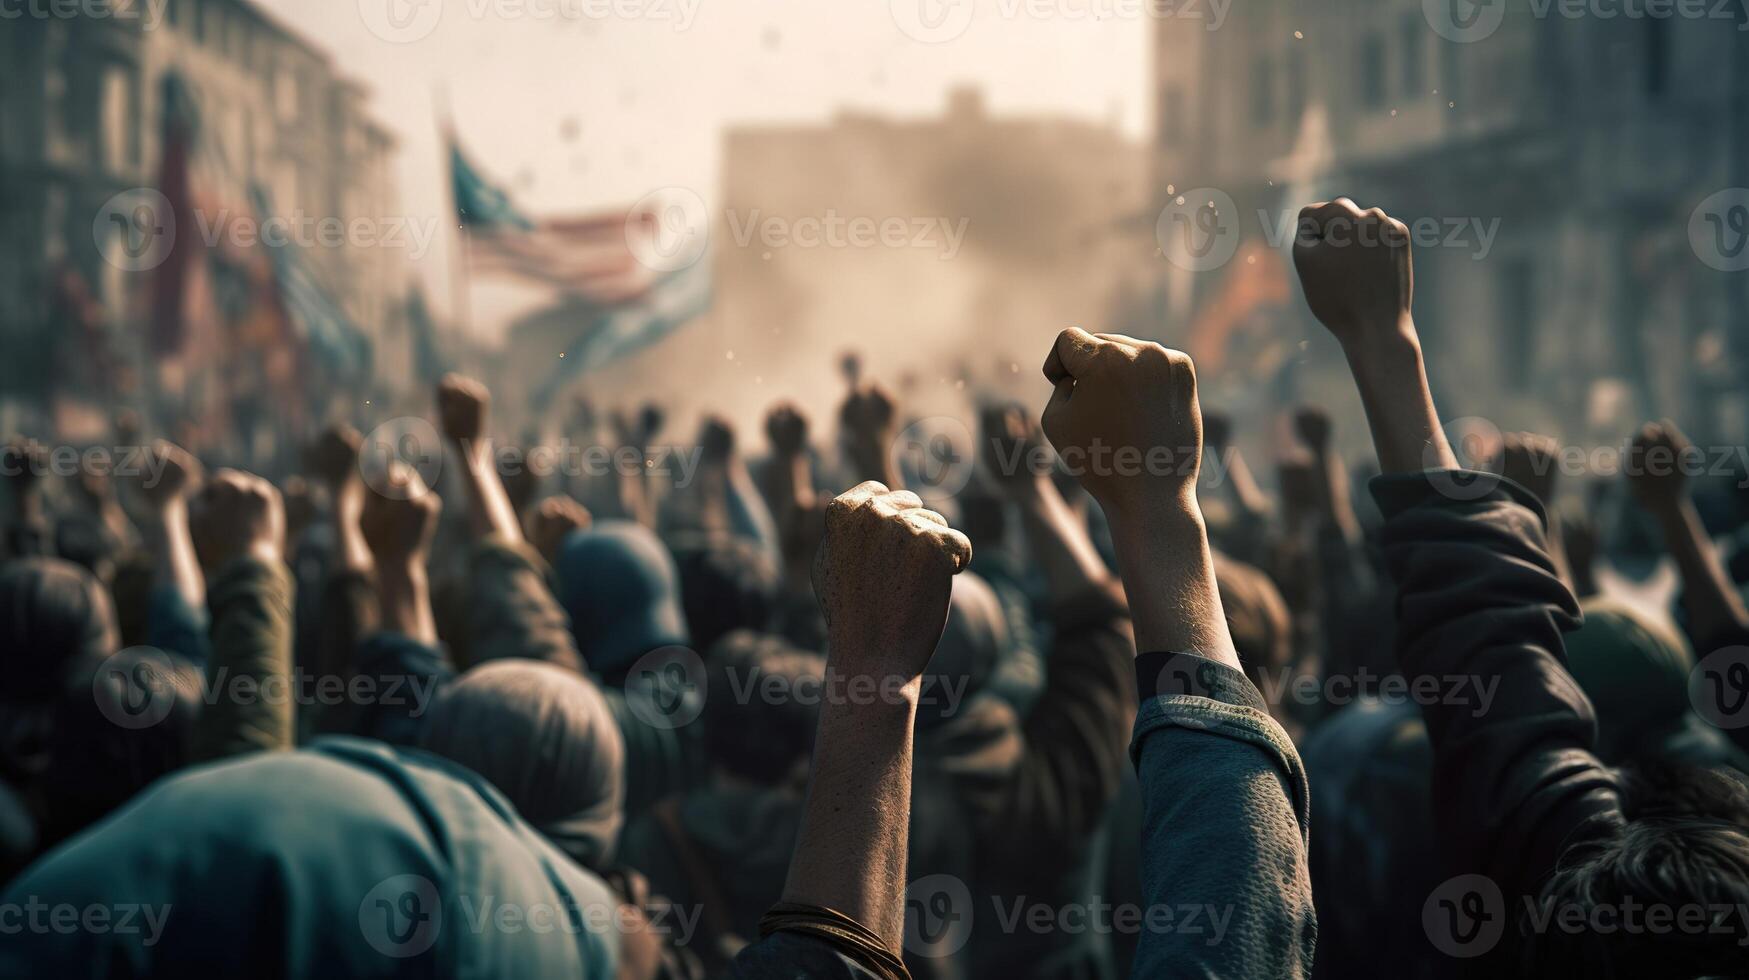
1414, 70
1262, 91
115, 112
285, 94
1518, 323
1372, 71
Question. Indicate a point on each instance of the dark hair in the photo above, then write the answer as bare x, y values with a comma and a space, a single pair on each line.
1684, 848
726, 584
763, 707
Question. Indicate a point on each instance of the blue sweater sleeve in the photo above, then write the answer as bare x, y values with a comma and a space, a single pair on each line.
1225, 815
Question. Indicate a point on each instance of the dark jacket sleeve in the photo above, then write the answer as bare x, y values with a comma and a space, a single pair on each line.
512, 611
788, 956
250, 702
1480, 612
1225, 811
394, 680
1074, 739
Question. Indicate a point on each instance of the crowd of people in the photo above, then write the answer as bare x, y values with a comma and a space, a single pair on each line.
790, 721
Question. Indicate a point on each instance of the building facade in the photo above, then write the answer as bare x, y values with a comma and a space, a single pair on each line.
82, 120
1561, 166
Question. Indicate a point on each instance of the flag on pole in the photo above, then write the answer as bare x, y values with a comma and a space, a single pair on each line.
170, 288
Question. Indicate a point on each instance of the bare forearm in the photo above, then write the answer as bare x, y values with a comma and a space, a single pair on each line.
1333, 498
348, 508
1059, 541
173, 559
850, 853
405, 598
1399, 405
489, 506
1168, 573
1247, 495
1714, 606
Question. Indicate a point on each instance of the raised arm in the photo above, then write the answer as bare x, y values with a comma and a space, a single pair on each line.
1480, 608
238, 527
1225, 806
396, 523
1659, 483
884, 578
462, 407
164, 524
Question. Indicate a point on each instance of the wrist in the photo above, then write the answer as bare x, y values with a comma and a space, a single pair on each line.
1384, 350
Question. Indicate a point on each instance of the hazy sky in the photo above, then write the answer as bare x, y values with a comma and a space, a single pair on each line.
580, 104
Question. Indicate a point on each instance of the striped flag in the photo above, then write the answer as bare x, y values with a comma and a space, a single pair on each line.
674, 300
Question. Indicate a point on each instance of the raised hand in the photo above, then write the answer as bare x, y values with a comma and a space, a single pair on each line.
178, 474
787, 429
462, 408
1013, 450
399, 520
1125, 418
237, 515
553, 520
1356, 270
1528, 460
333, 457
1656, 475
884, 576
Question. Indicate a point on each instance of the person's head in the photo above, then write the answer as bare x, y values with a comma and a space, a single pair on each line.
1257, 617
1677, 872
1635, 671
726, 584
544, 736
619, 585
765, 736
52, 613
971, 646
122, 722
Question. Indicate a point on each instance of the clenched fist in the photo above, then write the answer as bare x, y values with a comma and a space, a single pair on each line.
333, 457
1657, 469
1529, 460
462, 404
178, 474
1356, 271
399, 518
237, 515
1124, 418
553, 521
884, 576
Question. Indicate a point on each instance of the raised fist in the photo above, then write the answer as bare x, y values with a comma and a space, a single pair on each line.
1124, 418
462, 404
1528, 460
554, 520
1657, 472
1355, 269
333, 457
1013, 448
1312, 425
237, 515
638, 431
399, 518
884, 576
787, 429
170, 474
